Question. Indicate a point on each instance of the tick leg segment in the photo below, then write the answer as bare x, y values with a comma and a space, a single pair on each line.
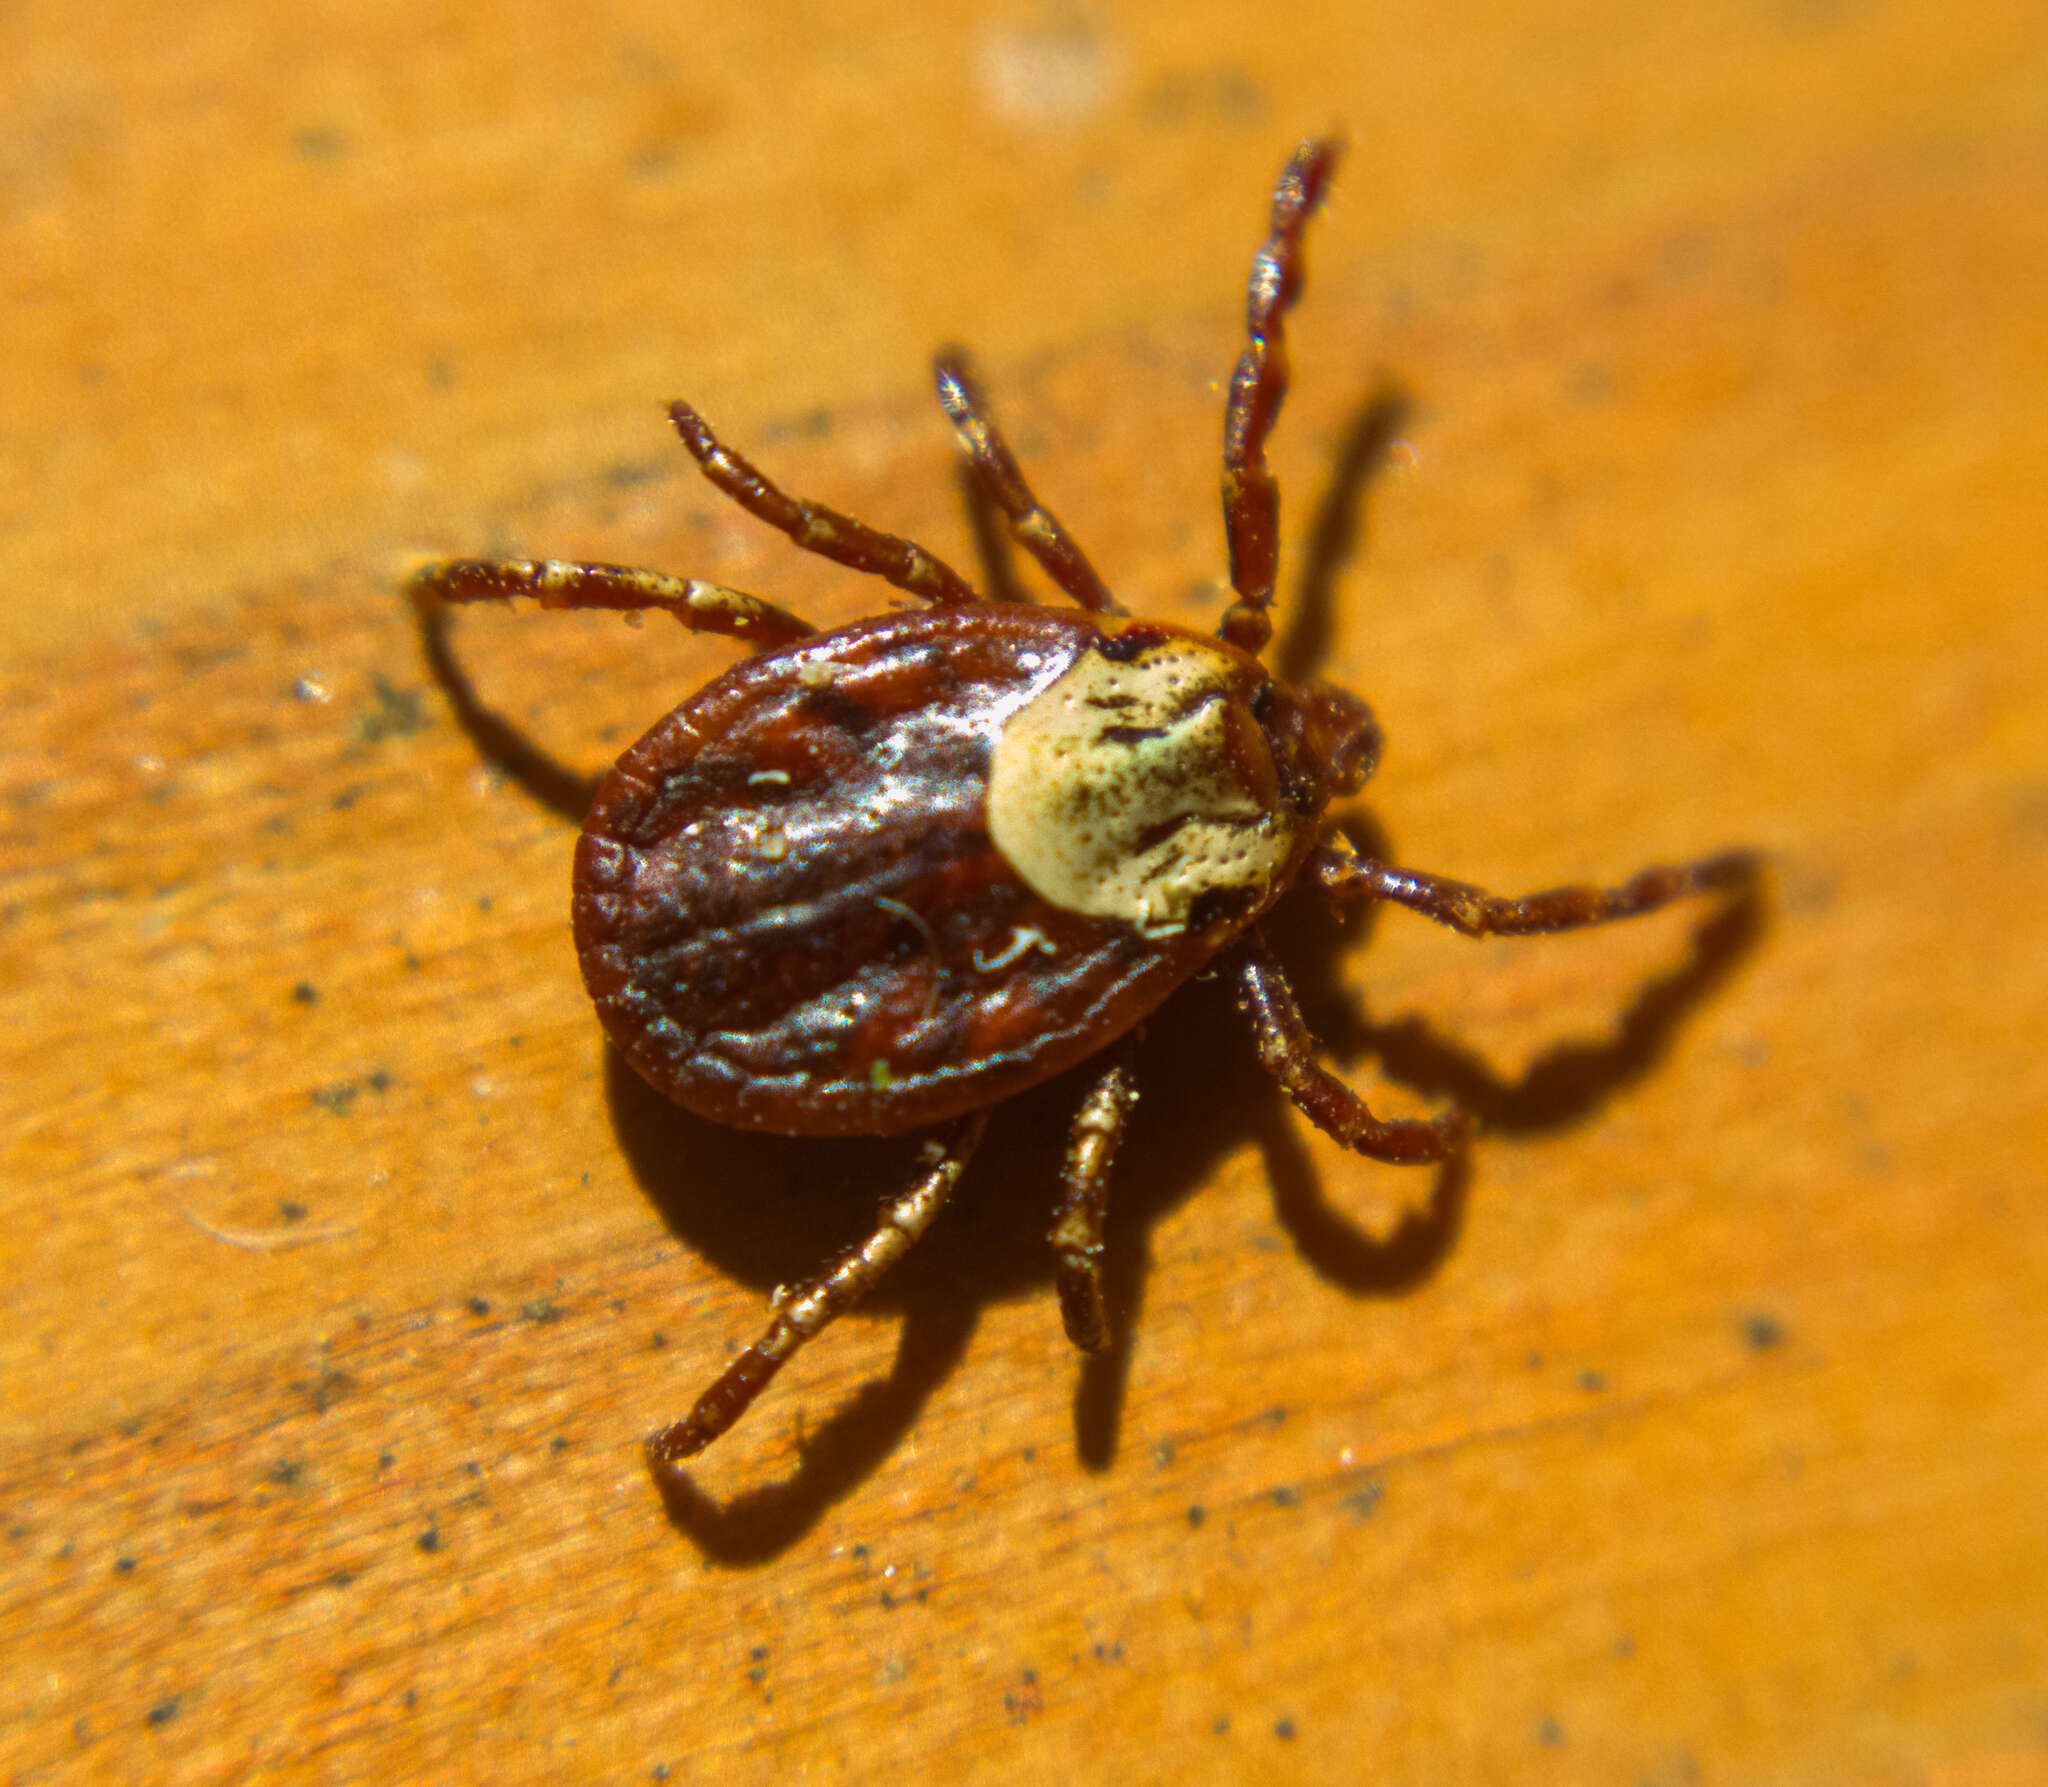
816, 528
1340, 875
1084, 1188
801, 1314
1251, 495
1287, 1052
555, 583
995, 467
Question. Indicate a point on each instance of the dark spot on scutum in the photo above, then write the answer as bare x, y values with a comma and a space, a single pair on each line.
1592, 1381
1214, 904
124, 1564
1197, 1514
290, 1210
1285, 1498
1130, 644
306, 993
477, 1306
1549, 1733
542, 1310
1283, 1729
1130, 735
430, 1540
165, 1710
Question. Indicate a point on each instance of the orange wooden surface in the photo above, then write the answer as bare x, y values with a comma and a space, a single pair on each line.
1697, 1432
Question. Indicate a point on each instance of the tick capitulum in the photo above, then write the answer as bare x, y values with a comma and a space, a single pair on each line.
881, 879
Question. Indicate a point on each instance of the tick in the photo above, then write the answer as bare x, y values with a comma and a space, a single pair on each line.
880, 879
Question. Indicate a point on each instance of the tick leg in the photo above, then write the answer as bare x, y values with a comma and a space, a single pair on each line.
1084, 1189
1287, 1052
1251, 496
802, 1313
1032, 524
816, 528
1342, 875
555, 583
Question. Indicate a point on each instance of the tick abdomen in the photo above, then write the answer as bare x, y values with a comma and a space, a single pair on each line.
793, 915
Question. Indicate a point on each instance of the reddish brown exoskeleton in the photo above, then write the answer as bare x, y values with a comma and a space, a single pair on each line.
883, 878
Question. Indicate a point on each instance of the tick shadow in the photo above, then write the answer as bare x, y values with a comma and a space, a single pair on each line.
506, 747
1202, 1092
1336, 537
1565, 1085
804, 1201
1207, 1047
770, 1210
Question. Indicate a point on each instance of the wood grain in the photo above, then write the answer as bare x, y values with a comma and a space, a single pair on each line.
1696, 1431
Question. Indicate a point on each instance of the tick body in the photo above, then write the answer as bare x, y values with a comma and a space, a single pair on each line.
880, 879
877, 879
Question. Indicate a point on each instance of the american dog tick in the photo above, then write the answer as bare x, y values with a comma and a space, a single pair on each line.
883, 878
